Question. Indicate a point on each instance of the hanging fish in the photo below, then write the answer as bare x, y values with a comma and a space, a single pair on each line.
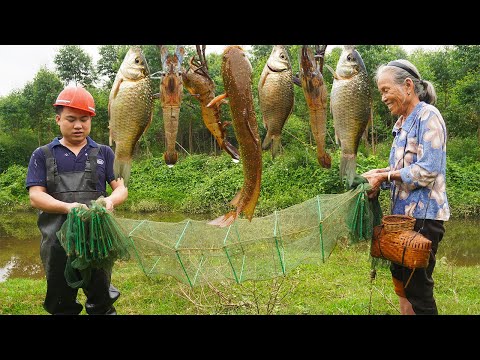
351, 107
130, 109
237, 81
276, 97
315, 92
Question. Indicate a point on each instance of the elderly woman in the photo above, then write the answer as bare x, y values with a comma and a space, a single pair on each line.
415, 175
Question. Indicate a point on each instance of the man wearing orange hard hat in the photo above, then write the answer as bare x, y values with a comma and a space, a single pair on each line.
70, 172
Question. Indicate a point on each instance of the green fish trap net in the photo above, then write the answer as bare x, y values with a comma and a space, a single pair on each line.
92, 239
195, 252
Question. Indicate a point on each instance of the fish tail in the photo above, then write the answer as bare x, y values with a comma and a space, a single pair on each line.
276, 146
170, 158
348, 168
224, 220
121, 169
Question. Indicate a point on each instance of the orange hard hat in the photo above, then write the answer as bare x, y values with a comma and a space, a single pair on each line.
76, 97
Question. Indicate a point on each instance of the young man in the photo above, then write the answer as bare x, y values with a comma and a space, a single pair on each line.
70, 172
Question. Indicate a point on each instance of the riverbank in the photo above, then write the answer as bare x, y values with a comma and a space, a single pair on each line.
205, 184
340, 286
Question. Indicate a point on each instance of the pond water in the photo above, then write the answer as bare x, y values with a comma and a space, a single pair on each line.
20, 241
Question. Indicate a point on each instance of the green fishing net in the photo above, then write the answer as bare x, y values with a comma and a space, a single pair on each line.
92, 239
195, 252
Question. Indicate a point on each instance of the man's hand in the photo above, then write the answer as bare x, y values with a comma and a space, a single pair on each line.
106, 202
76, 205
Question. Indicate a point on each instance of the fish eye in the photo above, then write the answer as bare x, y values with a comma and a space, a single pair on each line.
282, 55
137, 60
349, 57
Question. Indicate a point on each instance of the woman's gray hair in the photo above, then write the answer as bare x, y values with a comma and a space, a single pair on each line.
403, 69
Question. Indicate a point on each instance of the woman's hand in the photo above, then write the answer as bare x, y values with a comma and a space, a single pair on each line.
375, 178
375, 171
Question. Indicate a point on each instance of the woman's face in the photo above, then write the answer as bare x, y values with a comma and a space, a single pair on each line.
393, 95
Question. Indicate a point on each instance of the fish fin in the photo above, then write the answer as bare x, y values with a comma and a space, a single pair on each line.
296, 80
110, 136
224, 220
236, 198
170, 158
335, 76
216, 99
276, 146
148, 123
114, 92
262, 80
265, 124
231, 150
121, 169
267, 142
348, 168
111, 97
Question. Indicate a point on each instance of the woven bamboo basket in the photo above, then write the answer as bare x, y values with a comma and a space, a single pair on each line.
407, 248
395, 223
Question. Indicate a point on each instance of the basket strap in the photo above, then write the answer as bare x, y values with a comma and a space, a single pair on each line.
409, 278
379, 242
403, 254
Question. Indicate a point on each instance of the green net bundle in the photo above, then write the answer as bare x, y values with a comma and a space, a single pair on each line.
92, 239
195, 252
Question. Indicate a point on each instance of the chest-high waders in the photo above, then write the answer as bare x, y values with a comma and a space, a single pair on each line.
75, 186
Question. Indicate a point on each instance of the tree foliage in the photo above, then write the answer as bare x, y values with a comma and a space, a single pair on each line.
40, 95
111, 57
453, 70
73, 64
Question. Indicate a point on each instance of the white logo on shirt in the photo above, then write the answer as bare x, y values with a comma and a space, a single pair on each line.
100, 161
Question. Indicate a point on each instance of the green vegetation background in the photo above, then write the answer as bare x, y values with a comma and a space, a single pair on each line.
205, 180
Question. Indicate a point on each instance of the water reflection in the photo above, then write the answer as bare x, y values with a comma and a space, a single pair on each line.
20, 241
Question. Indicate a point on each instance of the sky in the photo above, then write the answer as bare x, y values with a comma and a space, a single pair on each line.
20, 63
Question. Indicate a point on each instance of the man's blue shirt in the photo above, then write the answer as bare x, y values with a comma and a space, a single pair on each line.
67, 162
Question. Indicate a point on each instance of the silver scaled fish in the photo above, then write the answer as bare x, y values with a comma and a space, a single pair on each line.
130, 109
351, 107
276, 97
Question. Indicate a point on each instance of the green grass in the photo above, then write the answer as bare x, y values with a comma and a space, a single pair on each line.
340, 286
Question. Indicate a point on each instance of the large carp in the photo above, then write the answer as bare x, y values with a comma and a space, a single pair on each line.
237, 81
200, 85
351, 107
171, 93
315, 92
130, 109
276, 97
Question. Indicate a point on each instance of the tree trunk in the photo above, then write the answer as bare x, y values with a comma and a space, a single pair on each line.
190, 137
